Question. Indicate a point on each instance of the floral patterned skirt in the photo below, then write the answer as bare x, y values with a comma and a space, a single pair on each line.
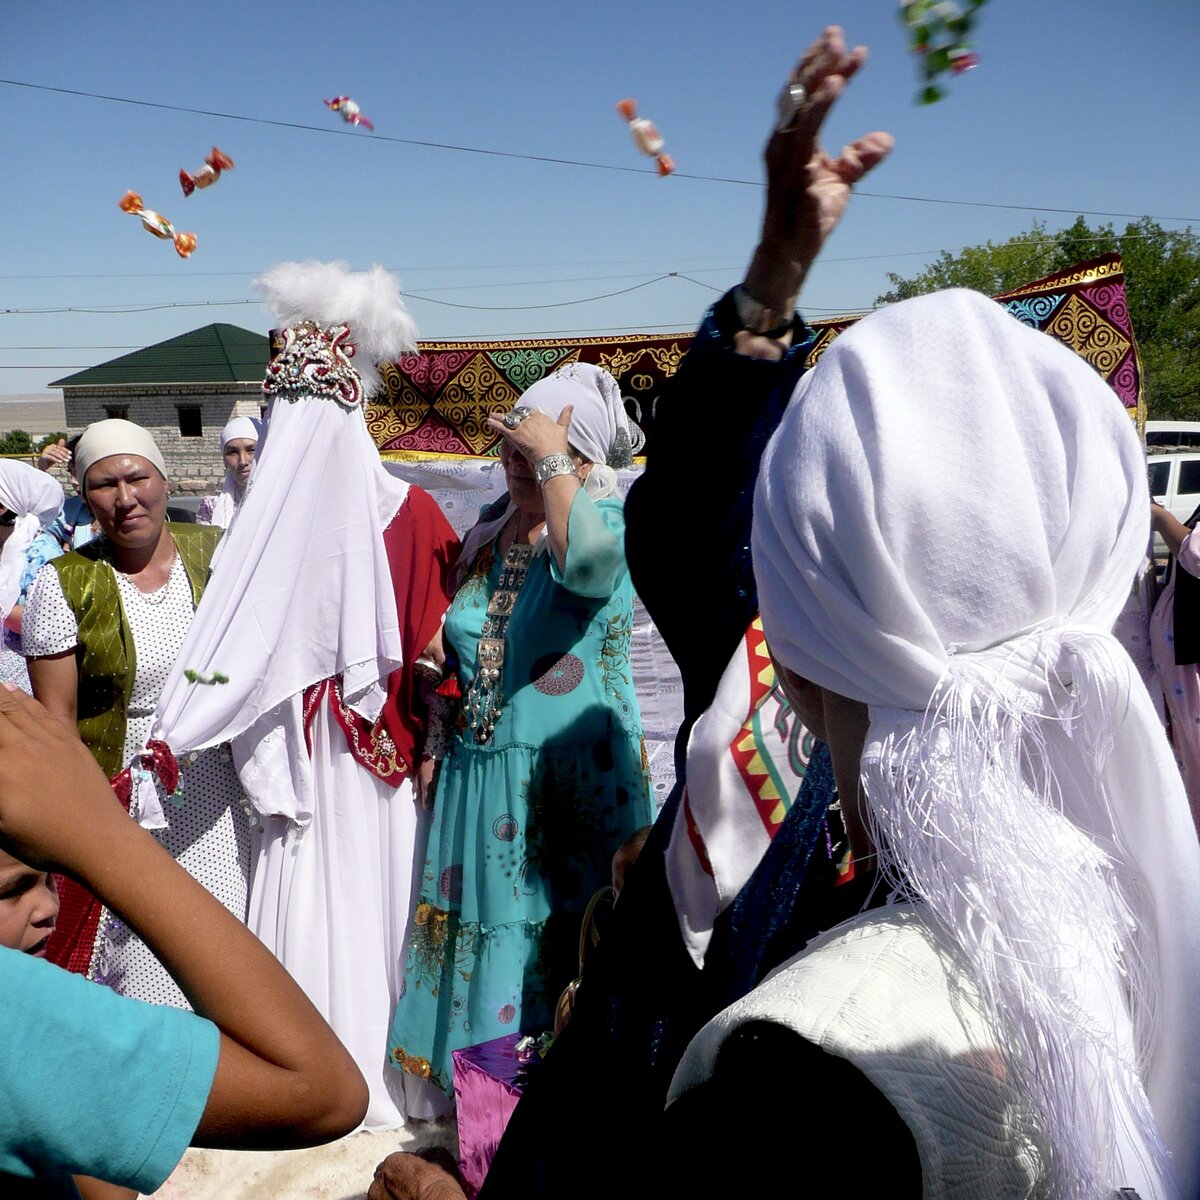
521, 839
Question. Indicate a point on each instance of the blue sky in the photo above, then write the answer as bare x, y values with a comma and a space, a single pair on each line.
1077, 104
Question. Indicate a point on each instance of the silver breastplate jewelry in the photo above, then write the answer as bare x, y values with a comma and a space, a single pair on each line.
484, 698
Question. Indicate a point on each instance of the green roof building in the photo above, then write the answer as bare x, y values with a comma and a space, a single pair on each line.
182, 390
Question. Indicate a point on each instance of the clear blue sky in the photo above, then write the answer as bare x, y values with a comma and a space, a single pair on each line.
1078, 104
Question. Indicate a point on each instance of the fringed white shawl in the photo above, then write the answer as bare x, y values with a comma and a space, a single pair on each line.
946, 525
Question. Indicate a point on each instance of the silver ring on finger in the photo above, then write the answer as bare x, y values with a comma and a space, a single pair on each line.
791, 100
515, 416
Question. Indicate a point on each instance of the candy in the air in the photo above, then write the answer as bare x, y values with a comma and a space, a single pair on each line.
646, 136
351, 113
206, 677
157, 224
208, 174
937, 35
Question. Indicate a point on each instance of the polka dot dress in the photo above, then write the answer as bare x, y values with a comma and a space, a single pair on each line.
207, 830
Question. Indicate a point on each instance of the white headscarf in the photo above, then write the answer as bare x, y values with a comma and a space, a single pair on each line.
103, 439
36, 499
229, 496
947, 522
600, 428
249, 428
600, 431
301, 588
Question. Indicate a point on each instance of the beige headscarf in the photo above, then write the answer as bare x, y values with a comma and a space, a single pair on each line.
103, 439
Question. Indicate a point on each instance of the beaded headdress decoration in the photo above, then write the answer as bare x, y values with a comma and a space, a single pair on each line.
315, 362
331, 315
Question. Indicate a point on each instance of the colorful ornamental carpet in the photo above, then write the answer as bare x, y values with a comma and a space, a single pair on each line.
437, 401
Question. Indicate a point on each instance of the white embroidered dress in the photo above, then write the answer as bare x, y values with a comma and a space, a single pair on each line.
207, 829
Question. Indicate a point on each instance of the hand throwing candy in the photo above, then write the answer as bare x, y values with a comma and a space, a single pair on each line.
350, 111
208, 174
157, 224
646, 136
938, 31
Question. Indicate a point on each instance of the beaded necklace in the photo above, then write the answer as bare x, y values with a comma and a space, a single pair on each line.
484, 698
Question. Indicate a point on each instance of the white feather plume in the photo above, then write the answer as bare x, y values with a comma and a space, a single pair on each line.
369, 302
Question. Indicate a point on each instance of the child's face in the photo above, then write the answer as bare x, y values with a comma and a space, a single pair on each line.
28, 906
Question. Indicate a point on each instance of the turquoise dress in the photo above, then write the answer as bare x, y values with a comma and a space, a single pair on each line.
525, 824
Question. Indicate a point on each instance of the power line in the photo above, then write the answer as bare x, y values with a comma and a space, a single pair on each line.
119, 310
565, 162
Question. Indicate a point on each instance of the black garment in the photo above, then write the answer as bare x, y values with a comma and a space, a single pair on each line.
1186, 613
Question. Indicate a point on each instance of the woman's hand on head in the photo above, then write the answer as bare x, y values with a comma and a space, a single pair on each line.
537, 435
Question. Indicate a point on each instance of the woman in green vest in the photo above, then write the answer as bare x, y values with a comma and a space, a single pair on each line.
102, 628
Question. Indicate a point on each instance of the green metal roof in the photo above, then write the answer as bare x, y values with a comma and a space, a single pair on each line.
214, 354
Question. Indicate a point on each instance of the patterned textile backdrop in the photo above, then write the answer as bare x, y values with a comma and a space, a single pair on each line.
1083, 307
437, 401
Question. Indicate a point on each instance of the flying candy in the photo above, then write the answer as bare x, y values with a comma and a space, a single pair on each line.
938, 31
646, 136
208, 174
350, 111
157, 224
207, 677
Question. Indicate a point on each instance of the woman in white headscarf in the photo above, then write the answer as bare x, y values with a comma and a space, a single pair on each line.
30, 502
102, 630
239, 440
1029, 1009
545, 775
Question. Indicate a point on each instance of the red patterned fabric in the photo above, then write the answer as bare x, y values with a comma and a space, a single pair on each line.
421, 547
74, 936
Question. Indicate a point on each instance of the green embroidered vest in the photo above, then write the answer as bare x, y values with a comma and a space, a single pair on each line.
105, 654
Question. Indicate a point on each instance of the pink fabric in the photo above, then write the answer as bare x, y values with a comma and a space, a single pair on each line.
485, 1093
1180, 685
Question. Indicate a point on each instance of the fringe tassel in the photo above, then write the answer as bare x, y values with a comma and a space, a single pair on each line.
966, 809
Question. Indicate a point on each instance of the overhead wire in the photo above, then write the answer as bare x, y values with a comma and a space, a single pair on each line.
543, 158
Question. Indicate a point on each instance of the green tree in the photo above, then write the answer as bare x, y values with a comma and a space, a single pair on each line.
49, 439
1162, 285
16, 441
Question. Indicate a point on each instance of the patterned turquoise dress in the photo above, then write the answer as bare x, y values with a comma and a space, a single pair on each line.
525, 824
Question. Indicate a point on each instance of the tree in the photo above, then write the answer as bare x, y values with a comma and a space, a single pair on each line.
16, 441
50, 439
1162, 285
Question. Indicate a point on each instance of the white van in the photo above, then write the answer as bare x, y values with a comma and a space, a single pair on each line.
1175, 484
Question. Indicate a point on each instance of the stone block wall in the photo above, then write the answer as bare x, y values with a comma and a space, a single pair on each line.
194, 463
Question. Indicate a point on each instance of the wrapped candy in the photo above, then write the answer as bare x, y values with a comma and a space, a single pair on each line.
646, 136
937, 34
350, 111
208, 174
157, 224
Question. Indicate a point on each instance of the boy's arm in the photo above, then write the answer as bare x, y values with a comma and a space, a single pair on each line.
282, 1079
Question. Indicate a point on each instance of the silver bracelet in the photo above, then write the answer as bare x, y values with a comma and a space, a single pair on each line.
550, 466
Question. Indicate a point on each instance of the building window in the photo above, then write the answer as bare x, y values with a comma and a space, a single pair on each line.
116, 412
190, 424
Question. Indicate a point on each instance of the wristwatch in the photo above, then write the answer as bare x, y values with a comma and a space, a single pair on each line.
757, 318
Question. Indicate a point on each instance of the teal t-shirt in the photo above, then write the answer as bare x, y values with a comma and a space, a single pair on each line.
94, 1083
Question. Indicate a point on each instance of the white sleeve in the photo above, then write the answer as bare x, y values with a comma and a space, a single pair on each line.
48, 626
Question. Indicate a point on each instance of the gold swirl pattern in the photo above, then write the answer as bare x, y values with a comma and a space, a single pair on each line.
1083, 329
466, 400
1107, 267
